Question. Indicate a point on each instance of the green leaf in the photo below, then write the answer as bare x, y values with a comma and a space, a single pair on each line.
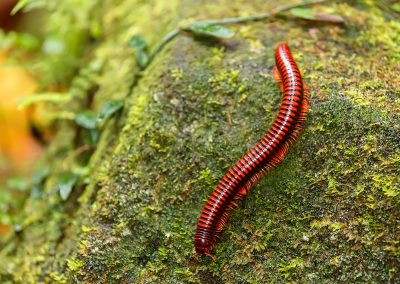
17, 183
39, 175
303, 13
86, 119
44, 97
66, 182
109, 108
37, 179
27, 41
142, 59
28, 5
140, 45
309, 14
209, 30
93, 137
19, 6
137, 42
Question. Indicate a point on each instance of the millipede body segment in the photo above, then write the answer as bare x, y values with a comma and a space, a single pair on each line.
264, 156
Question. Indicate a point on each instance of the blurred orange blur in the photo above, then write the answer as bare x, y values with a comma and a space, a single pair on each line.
16, 142
17, 145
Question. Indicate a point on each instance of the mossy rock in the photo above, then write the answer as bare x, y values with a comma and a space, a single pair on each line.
328, 213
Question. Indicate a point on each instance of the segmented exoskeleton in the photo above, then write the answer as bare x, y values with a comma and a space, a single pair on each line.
263, 157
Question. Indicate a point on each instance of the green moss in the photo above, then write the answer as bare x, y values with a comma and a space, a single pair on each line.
75, 265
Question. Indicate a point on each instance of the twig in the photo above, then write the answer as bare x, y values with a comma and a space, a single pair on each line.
224, 21
259, 17
169, 37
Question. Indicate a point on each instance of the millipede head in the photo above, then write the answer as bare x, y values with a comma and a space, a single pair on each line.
203, 246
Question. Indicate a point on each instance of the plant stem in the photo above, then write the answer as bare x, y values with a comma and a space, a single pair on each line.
259, 17
235, 20
169, 37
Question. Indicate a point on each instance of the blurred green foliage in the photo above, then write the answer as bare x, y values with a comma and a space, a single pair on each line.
70, 24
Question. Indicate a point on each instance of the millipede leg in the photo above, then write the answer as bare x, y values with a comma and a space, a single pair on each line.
278, 78
210, 256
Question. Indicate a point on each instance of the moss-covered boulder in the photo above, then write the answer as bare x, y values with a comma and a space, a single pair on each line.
328, 213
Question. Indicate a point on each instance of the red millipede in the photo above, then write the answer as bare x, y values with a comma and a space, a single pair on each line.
263, 157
